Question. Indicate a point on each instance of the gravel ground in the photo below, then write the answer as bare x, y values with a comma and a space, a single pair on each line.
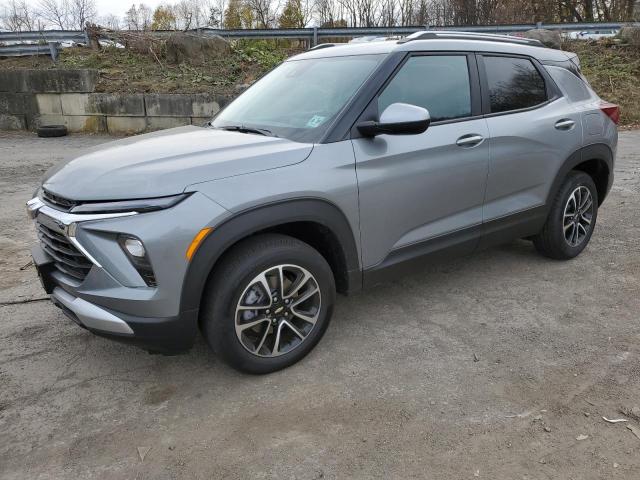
491, 366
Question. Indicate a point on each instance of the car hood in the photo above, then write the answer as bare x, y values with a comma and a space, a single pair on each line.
165, 162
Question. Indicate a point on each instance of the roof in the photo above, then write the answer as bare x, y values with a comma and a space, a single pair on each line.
442, 41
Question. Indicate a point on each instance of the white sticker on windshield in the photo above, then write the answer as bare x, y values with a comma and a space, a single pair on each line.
315, 121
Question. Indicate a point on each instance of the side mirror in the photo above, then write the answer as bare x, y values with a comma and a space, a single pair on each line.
397, 119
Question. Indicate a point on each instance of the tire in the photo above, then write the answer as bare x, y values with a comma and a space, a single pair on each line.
49, 131
237, 282
567, 232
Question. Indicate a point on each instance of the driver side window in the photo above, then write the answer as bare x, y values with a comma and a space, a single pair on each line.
439, 83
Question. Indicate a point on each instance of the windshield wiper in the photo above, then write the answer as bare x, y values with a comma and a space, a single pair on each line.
243, 129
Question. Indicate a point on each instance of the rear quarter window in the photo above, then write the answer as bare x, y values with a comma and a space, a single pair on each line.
571, 85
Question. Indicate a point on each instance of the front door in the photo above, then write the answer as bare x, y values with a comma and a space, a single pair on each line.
417, 188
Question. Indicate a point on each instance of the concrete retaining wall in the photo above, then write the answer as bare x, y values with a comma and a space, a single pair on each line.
30, 98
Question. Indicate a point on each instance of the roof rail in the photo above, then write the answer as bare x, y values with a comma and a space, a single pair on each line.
455, 35
320, 46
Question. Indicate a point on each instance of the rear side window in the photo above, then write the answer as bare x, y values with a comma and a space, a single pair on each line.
514, 83
571, 85
439, 83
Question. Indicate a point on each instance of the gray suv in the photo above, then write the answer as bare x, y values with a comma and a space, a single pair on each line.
343, 167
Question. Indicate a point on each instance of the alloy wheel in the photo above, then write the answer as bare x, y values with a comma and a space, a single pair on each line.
578, 215
277, 310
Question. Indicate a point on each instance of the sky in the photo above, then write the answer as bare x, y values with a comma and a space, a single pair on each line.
119, 7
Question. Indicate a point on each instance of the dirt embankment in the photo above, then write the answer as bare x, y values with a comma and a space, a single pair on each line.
613, 69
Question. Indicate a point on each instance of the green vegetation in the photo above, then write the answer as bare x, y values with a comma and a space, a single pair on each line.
613, 69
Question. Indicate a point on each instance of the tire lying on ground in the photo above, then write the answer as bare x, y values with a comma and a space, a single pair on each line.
47, 131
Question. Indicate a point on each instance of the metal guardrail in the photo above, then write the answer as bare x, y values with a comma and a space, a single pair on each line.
22, 43
22, 50
45, 42
79, 36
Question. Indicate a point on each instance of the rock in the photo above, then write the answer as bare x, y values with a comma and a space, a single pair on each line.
630, 35
547, 429
549, 38
241, 87
195, 49
582, 437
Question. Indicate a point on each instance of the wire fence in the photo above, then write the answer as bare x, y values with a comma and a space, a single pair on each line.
50, 41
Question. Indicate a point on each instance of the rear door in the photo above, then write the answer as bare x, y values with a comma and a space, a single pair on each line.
418, 188
533, 129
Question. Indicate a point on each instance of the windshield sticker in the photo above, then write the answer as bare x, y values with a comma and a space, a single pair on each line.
315, 121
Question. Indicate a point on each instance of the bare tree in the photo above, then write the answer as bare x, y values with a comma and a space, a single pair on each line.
216, 13
55, 13
138, 17
325, 13
111, 22
195, 13
18, 16
264, 11
131, 18
189, 14
81, 12
145, 15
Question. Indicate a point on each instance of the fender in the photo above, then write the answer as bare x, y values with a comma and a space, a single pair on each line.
260, 218
597, 151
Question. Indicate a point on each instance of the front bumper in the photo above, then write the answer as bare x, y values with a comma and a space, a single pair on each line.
112, 300
166, 335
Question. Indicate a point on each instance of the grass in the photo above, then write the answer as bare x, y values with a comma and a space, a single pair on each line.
612, 69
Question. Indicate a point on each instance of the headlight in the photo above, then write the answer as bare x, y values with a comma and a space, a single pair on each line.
141, 205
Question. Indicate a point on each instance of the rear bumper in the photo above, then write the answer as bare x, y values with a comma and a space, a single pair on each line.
166, 335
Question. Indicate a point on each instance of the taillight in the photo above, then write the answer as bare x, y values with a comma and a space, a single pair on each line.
611, 110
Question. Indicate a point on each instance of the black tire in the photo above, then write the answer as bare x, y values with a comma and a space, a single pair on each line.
229, 283
49, 131
551, 241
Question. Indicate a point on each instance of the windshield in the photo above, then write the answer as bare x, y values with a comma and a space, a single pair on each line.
299, 99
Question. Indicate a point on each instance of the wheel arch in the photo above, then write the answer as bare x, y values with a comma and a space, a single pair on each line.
596, 160
315, 221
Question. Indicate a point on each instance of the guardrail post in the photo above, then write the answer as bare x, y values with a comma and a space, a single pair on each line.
53, 50
314, 41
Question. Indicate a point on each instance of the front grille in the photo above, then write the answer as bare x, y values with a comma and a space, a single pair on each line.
67, 258
56, 201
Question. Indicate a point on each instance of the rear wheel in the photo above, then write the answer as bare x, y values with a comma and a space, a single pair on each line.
571, 220
268, 304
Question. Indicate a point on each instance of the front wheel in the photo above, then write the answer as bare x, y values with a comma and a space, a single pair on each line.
571, 219
268, 304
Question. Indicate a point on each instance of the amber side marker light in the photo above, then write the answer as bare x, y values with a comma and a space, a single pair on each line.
197, 240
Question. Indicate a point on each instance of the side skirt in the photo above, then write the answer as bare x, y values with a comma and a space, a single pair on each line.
414, 258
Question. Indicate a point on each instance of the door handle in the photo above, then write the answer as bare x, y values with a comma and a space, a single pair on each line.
565, 124
470, 140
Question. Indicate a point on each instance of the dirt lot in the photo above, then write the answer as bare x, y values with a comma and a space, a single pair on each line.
393, 390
